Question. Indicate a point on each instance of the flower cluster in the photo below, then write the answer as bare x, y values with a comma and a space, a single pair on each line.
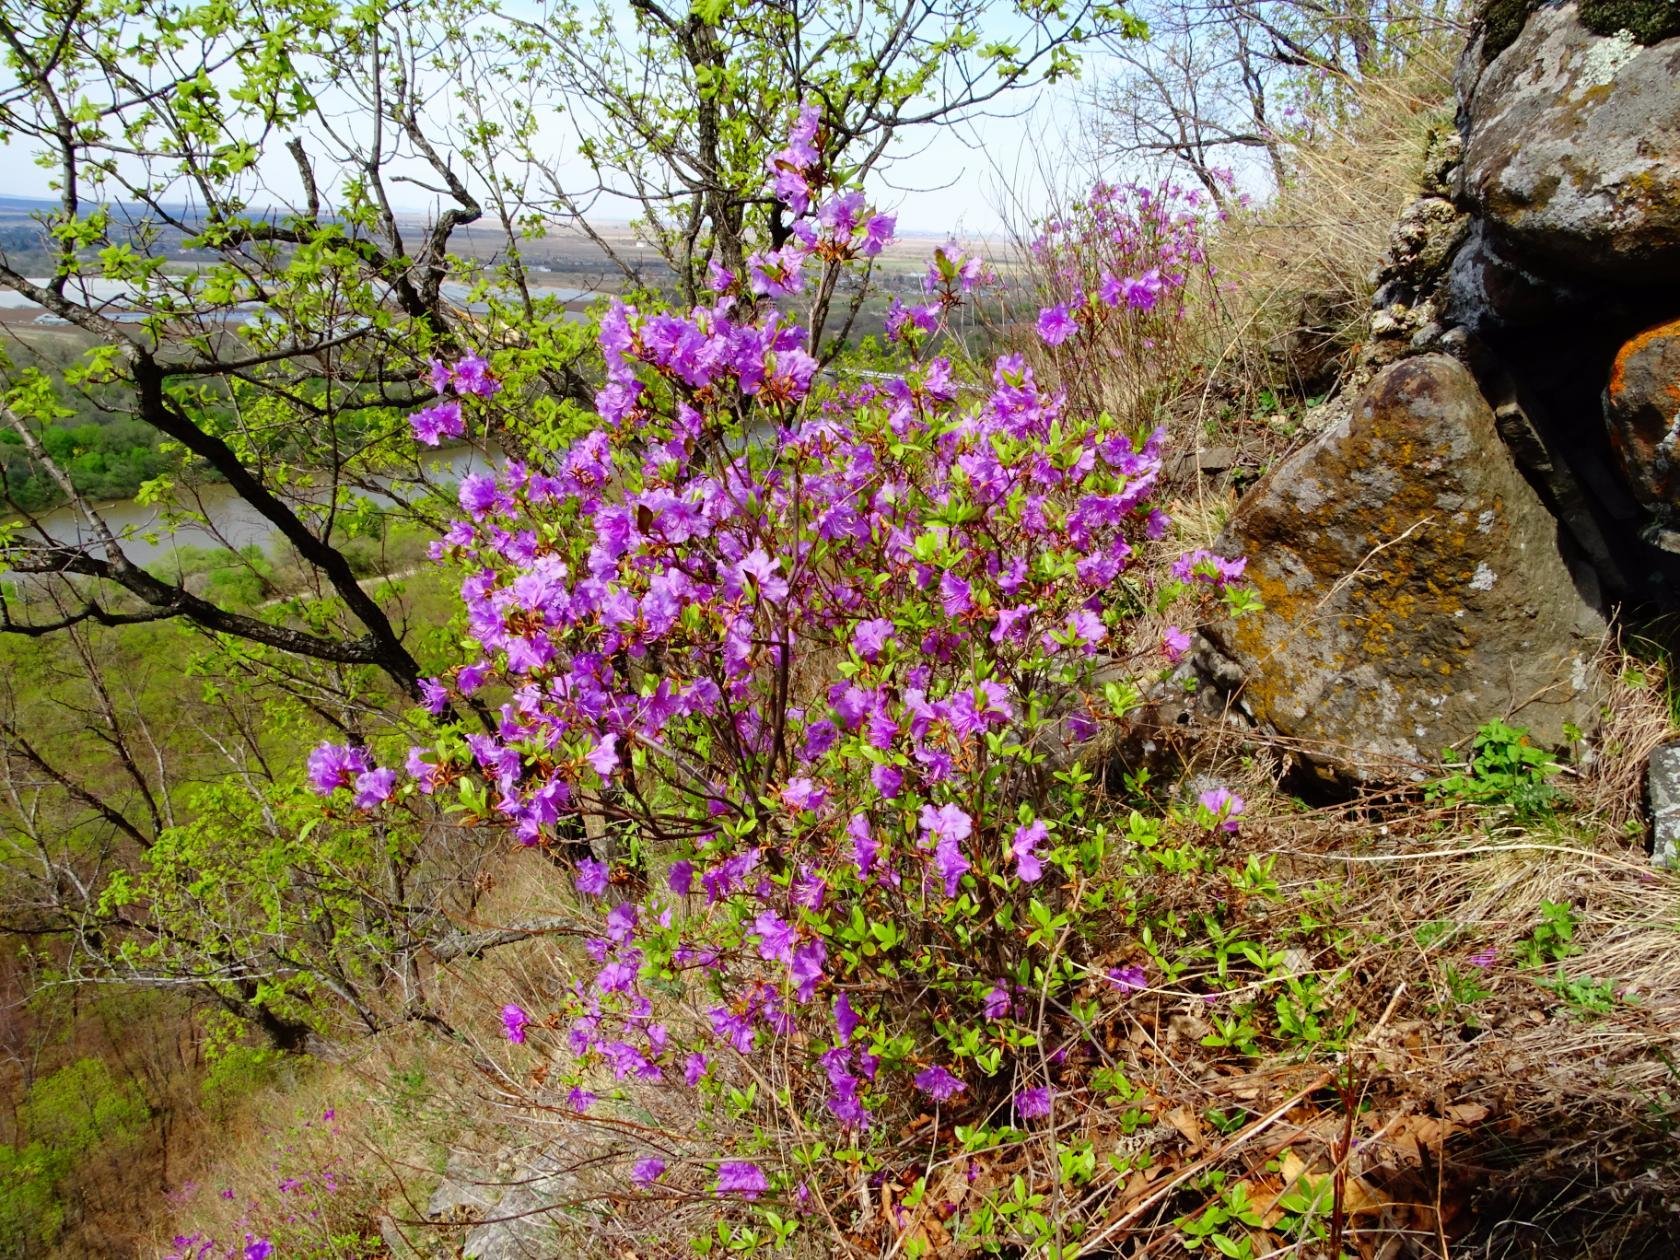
801, 652
469, 377
1118, 270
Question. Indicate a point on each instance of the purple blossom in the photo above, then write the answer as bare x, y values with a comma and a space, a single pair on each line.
1223, 805
1034, 1104
845, 1018
374, 787
472, 376
332, 766
870, 637
1483, 958
1056, 325
954, 594
592, 877
514, 1019
432, 424
888, 780
775, 937
865, 848
939, 1084
433, 695
758, 566
807, 969
740, 1177
257, 1248
947, 822
603, 758
1128, 979
996, 1001
680, 878
1024, 849
647, 1171
694, 1068
1175, 643
803, 794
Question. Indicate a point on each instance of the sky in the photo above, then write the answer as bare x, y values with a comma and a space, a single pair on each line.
981, 177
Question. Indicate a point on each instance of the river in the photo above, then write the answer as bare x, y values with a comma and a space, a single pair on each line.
149, 541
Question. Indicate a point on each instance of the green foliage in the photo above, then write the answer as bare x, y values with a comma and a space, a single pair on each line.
77, 1113
1505, 769
1553, 938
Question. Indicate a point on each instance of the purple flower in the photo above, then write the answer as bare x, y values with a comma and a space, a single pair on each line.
647, 1171
775, 937
737, 1176
332, 766
1223, 805
758, 566
432, 424
877, 233
865, 848
591, 877
938, 1084
1055, 325
870, 637
580, 1099
802, 794
373, 787
257, 1248
472, 376
1034, 1104
514, 1019
954, 594
1024, 849
433, 695
888, 780
1129, 979
947, 822
1483, 958
603, 758
1175, 643
807, 969
694, 1068
845, 1018
997, 1001
680, 878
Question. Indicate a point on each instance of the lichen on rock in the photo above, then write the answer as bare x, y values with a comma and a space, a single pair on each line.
1413, 586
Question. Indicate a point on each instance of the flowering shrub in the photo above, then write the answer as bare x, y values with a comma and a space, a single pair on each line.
819, 658
295, 1210
1121, 271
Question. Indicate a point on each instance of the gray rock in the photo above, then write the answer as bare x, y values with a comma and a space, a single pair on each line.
1570, 143
1413, 587
1663, 789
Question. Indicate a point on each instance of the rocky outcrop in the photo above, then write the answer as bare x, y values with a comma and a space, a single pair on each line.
1642, 409
1413, 586
1570, 144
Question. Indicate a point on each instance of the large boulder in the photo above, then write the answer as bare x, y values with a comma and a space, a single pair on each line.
1413, 586
1570, 144
1642, 408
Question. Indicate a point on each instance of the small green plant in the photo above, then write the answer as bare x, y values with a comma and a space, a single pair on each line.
1553, 938
1504, 769
1221, 1222
1586, 996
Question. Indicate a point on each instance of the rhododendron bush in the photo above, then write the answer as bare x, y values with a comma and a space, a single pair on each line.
1120, 276
816, 656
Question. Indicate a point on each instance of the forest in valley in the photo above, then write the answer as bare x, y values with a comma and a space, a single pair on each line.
869, 628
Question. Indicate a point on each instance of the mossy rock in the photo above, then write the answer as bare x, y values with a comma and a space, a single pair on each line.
1648, 21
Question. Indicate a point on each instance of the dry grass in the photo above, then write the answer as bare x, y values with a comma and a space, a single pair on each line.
1301, 263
